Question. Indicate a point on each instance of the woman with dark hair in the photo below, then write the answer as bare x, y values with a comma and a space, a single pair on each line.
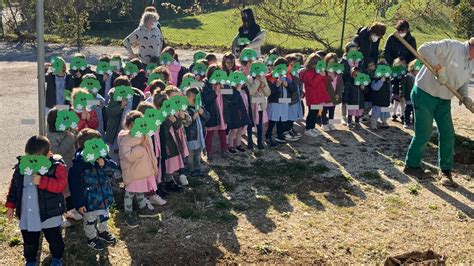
368, 40
250, 30
394, 48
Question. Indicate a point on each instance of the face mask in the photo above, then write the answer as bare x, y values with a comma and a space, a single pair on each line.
155, 24
374, 38
403, 34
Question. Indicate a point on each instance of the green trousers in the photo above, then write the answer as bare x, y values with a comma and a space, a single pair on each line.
427, 108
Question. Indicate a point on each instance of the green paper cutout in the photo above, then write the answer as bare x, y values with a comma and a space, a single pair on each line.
243, 41
199, 69
154, 115
169, 107
219, 76
186, 83
143, 127
398, 71
104, 67
271, 59
237, 77
198, 101
280, 71
354, 56
383, 71
34, 164
57, 65
166, 59
418, 65
67, 95
295, 69
94, 149
320, 66
80, 101
335, 67
181, 102
93, 85
123, 93
258, 69
66, 119
362, 79
130, 69
150, 67
154, 76
248, 54
78, 63
199, 55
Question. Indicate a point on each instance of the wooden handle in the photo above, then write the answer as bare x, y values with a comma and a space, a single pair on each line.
431, 68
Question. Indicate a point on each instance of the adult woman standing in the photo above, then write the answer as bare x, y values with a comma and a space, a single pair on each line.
394, 48
148, 36
250, 30
368, 40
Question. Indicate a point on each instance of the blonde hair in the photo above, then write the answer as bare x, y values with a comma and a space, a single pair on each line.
411, 66
311, 61
398, 62
147, 17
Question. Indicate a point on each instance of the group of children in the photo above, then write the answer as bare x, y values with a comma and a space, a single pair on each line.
227, 99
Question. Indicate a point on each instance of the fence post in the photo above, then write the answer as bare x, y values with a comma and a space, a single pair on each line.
40, 66
343, 24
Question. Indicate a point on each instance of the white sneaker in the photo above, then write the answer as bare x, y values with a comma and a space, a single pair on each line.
332, 127
66, 223
344, 122
157, 200
311, 133
183, 180
149, 205
316, 131
325, 128
74, 214
289, 137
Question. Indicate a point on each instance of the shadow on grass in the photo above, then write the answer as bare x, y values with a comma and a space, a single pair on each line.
183, 23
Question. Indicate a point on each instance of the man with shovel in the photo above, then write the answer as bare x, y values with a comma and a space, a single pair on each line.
453, 64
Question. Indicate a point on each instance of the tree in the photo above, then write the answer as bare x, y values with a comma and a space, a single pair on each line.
463, 19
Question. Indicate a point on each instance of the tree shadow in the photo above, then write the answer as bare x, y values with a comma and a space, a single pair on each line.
183, 23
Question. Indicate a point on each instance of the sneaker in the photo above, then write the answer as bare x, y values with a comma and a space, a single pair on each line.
183, 180
289, 137
225, 155
344, 122
364, 119
96, 244
311, 133
405, 126
161, 191
260, 146
107, 237
447, 179
325, 128
74, 214
240, 148
157, 200
66, 223
173, 186
332, 127
147, 213
357, 126
280, 140
394, 117
296, 133
232, 150
131, 220
149, 205
417, 172
384, 125
271, 143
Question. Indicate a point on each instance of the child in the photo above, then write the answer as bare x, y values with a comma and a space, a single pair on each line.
334, 87
381, 91
91, 192
56, 85
281, 90
296, 111
369, 62
195, 133
138, 80
228, 63
79, 73
354, 95
346, 75
156, 86
166, 76
211, 59
315, 92
87, 119
239, 118
259, 91
39, 203
218, 114
139, 168
406, 85
396, 92
106, 80
176, 70
99, 109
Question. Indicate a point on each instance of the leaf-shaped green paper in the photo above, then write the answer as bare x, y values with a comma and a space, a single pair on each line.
279, 71
199, 55
248, 54
186, 83
143, 127
66, 119
354, 56
336, 68
34, 164
130, 69
154, 115
57, 65
320, 66
104, 67
362, 79
154, 76
236, 77
81, 100
94, 149
270, 59
418, 65
181, 102
169, 107
243, 41
383, 71
199, 69
166, 59
123, 93
258, 69
296, 69
219, 76
78, 63
67, 95
198, 101
150, 67
93, 85
398, 71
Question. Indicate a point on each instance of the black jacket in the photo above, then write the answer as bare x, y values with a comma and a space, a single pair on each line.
353, 95
140, 80
382, 97
192, 130
77, 81
368, 48
394, 49
239, 116
277, 92
50, 79
210, 104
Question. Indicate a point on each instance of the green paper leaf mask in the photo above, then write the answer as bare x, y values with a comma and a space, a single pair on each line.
219, 76
57, 65
258, 69
181, 102
154, 76
362, 79
243, 41
154, 115
169, 107
336, 68
104, 67
81, 101
78, 63
94, 149
398, 71
123, 93
320, 66
66, 119
418, 65
270, 59
150, 67
354, 56
130, 69
248, 54
199, 69
143, 127
383, 71
92, 85
295, 69
236, 78
198, 55
186, 83
67, 95
198, 101
166, 59
279, 71
34, 164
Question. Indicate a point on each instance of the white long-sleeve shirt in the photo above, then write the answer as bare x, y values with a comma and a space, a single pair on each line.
150, 43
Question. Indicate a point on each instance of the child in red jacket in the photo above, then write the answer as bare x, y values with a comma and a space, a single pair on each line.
87, 115
314, 91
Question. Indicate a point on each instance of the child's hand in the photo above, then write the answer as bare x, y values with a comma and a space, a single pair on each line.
172, 118
362, 87
84, 114
78, 74
82, 210
195, 115
105, 77
47, 65
123, 104
50, 154
144, 141
10, 213
383, 79
181, 114
337, 97
278, 82
88, 116
323, 73
201, 111
36, 179
101, 162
